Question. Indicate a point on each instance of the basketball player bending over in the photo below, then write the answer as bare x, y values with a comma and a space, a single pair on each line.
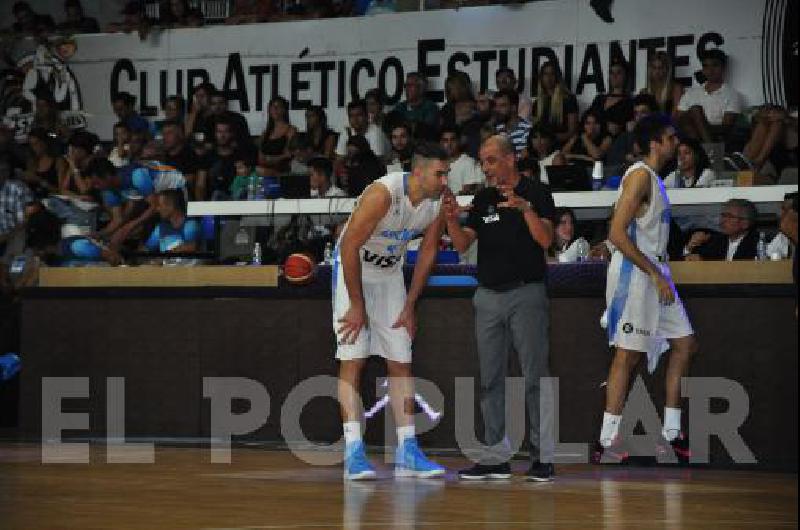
643, 311
372, 315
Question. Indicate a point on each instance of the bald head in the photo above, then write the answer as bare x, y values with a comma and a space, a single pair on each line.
501, 142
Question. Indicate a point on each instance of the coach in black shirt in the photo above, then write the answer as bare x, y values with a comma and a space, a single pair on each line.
514, 225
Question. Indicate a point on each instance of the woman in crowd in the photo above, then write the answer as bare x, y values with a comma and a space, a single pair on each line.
566, 247
693, 169
320, 137
44, 168
615, 107
592, 143
555, 105
274, 155
375, 111
541, 149
661, 84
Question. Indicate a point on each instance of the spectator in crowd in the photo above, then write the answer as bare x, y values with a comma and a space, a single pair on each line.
274, 155
484, 105
105, 187
119, 155
693, 169
197, 124
555, 105
362, 166
768, 132
457, 88
80, 150
709, 112
29, 22
321, 139
624, 149
43, 238
785, 241
219, 162
737, 238
402, 148
359, 125
417, 110
565, 247
593, 142
300, 149
180, 155
661, 84
46, 114
174, 110
195, 19
174, 13
541, 147
508, 121
14, 196
174, 232
76, 21
615, 107
45, 168
133, 20
469, 122
124, 105
250, 12
320, 179
506, 79
218, 110
375, 113
466, 176
246, 175
11, 151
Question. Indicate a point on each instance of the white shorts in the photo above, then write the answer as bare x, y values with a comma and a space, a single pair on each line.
384, 300
635, 318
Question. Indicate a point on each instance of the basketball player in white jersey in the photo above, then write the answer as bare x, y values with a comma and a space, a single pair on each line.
372, 315
644, 314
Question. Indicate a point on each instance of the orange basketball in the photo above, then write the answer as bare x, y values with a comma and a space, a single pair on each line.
299, 269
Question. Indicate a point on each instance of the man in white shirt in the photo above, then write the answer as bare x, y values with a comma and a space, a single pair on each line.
320, 174
357, 117
709, 112
465, 176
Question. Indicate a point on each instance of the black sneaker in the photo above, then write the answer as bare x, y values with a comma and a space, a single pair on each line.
539, 472
486, 472
615, 454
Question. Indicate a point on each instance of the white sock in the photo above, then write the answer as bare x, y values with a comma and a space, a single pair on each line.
610, 429
352, 431
404, 432
672, 423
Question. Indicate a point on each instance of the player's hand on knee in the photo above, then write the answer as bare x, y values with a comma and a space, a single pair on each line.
407, 319
352, 322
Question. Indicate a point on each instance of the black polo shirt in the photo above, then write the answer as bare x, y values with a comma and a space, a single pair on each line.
508, 254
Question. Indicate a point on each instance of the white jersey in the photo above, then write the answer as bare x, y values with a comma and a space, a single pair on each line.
383, 252
650, 232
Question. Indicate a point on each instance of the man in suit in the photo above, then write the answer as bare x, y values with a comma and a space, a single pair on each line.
736, 239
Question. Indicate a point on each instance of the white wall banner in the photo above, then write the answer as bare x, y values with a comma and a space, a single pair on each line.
330, 62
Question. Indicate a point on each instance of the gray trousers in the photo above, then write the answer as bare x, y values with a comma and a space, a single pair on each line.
519, 318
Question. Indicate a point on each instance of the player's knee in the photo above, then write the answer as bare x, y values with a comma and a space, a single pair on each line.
396, 369
628, 358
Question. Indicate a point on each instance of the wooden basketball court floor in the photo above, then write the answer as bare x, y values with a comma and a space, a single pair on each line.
266, 489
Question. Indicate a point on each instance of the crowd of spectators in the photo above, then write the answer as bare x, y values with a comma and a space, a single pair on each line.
119, 196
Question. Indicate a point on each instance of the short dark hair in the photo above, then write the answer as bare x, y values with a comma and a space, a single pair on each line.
646, 99
374, 93
19, 6
715, 54
83, 140
176, 197
505, 70
171, 123
403, 125
450, 128
245, 155
126, 97
542, 130
512, 96
323, 165
428, 151
101, 168
357, 103
650, 129
122, 125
